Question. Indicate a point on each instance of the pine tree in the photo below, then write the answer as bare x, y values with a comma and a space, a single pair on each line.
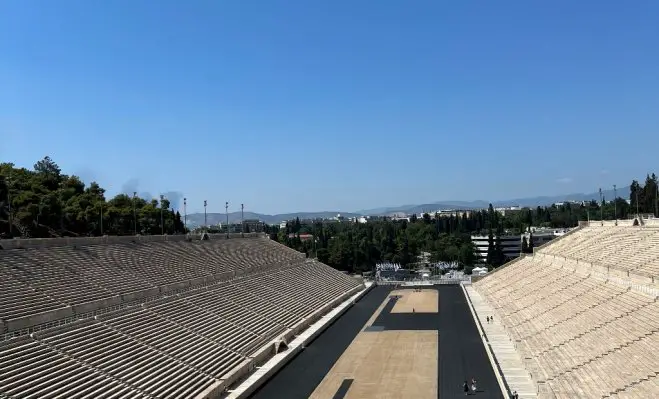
635, 194
500, 257
490, 259
649, 194
179, 226
491, 217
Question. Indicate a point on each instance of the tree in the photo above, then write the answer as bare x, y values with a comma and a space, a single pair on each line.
426, 218
525, 245
649, 196
47, 203
467, 254
491, 255
635, 196
47, 167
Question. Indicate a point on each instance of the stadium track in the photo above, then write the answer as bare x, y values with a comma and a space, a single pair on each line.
461, 352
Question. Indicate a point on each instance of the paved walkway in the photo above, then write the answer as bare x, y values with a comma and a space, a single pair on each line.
512, 366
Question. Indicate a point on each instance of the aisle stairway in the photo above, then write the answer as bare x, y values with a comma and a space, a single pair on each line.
514, 372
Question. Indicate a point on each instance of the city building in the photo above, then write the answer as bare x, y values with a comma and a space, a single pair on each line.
303, 237
453, 212
512, 244
253, 225
507, 210
339, 218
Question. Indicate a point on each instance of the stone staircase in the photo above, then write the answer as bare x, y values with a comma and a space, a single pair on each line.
516, 375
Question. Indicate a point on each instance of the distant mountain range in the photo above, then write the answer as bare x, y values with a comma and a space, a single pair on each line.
480, 204
197, 219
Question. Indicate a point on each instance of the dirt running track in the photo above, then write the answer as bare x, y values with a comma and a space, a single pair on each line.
378, 349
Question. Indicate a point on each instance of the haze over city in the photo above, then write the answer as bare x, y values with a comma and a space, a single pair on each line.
339, 106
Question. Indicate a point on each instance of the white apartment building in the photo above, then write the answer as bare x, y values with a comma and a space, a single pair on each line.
512, 244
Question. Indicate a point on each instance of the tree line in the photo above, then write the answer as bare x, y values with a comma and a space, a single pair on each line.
355, 247
44, 202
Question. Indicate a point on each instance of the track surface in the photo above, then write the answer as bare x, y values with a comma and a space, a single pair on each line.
461, 352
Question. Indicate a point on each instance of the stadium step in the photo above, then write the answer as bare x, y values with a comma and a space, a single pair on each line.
514, 371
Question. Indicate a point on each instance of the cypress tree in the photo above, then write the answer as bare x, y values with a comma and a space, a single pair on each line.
525, 245
490, 249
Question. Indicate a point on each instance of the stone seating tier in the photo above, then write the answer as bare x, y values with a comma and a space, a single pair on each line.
583, 332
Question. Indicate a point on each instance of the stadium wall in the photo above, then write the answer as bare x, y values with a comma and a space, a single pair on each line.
24, 243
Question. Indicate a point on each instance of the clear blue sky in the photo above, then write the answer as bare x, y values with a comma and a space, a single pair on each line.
307, 105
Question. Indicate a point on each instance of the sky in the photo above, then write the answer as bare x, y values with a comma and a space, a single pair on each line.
306, 105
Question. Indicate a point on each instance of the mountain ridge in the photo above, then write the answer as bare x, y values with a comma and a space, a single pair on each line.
197, 219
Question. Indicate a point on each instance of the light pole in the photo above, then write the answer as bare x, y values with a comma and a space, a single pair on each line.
601, 206
135, 211
615, 204
656, 201
637, 214
242, 220
9, 202
162, 220
226, 210
101, 218
205, 219
185, 214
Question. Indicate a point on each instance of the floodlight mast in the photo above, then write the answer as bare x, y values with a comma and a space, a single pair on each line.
135, 212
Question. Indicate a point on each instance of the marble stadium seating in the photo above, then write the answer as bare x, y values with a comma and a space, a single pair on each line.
584, 324
169, 343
